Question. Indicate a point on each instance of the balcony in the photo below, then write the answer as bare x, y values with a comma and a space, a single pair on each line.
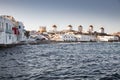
9, 31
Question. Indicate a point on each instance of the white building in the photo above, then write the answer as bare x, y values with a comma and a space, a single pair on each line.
85, 37
11, 31
77, 38
68, 37
21, 36
42, 29
108, 38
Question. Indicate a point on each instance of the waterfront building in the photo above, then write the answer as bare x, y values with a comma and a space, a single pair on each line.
42, 29
86, 38
108, 38
37, 36
68, 37
80, 35
72, 35
11, 31
21, 36
32, 32
117, 34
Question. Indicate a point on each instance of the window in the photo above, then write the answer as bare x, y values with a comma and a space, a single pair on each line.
10, 28
0, 26
9, 36
19, 27
7, 27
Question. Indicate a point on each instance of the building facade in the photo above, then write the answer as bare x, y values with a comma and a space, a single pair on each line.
11, 31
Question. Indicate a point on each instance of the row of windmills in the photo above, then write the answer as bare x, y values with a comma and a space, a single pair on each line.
78, 35
70, 28
80, 29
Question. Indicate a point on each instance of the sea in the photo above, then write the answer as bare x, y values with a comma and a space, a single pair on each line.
61, 61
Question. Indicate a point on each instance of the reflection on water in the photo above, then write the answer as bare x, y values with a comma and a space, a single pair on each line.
71, 61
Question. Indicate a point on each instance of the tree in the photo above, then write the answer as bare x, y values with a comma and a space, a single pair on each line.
27, 34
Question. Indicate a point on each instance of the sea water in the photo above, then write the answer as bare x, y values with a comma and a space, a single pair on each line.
61, 61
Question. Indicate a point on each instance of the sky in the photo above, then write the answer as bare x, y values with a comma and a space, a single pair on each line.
35, 13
